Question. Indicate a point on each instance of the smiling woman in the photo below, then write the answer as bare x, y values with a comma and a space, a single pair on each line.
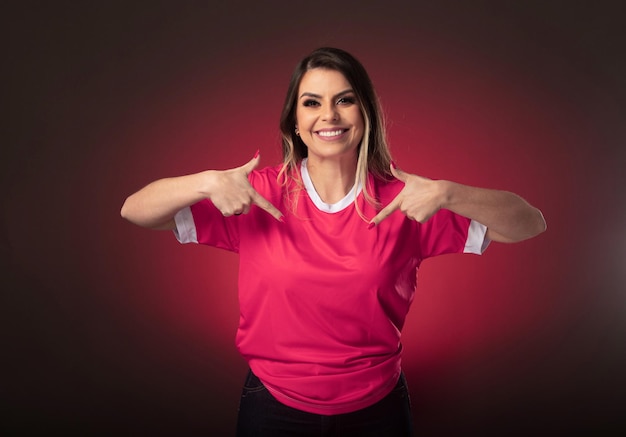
329, 243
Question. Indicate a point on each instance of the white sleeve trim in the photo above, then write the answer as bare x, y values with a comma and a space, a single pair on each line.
185, 230
476, 242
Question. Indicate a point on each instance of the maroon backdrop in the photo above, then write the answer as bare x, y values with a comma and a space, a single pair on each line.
112, 329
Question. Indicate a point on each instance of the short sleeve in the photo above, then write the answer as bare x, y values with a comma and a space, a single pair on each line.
203, 223
185, 231
447, 232
476, 241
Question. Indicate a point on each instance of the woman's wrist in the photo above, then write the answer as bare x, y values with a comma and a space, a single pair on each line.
447, 191
207, 182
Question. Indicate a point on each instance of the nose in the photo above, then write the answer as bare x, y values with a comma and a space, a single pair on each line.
330, 113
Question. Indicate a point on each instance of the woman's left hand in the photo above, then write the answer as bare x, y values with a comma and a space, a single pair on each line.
508, 217
419, 200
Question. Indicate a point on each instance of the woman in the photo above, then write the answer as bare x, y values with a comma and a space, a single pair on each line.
329, 244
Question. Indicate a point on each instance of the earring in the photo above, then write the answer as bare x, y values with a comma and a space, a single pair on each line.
297, 132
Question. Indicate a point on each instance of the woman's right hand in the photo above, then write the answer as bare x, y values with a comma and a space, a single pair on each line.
156, 204
231, 192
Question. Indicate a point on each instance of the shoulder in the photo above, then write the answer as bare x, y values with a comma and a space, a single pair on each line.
268, 179
266, 174
385, 189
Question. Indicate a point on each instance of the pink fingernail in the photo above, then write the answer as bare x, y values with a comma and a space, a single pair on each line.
256, 154
281, 219
371, 225
393, 164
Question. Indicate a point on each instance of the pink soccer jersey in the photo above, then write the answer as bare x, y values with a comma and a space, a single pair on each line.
322, 297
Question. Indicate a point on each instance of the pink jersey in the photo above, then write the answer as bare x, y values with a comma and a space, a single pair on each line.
322, 297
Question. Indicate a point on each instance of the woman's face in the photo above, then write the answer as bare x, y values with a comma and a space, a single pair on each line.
328, 114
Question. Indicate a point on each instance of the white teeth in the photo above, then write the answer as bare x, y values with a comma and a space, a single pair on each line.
333, 133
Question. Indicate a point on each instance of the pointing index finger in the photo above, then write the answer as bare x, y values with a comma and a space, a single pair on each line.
266, 205
385, 212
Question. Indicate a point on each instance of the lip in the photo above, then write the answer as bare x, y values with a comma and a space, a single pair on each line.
331, 134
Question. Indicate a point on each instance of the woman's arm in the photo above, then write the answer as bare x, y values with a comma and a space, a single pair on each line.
508, 217
155, 205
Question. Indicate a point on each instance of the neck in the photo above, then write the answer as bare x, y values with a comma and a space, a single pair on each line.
332, 179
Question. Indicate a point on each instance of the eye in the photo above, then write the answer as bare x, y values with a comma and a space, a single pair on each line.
310, 102
346, 100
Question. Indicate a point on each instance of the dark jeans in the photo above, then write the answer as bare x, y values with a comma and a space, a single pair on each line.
261, 415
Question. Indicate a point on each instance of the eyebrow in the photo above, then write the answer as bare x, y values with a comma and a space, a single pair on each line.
317, 96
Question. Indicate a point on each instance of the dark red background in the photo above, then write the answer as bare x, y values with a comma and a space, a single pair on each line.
111, 329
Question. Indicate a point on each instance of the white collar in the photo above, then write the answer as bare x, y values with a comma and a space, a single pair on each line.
317, 200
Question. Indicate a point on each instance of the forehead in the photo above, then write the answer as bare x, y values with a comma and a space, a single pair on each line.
323, 80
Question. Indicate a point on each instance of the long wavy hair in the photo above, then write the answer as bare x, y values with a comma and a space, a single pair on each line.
373, 153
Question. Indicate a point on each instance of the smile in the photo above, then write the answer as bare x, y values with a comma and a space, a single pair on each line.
331, 133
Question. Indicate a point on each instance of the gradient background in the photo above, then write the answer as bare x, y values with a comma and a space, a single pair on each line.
109, 329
